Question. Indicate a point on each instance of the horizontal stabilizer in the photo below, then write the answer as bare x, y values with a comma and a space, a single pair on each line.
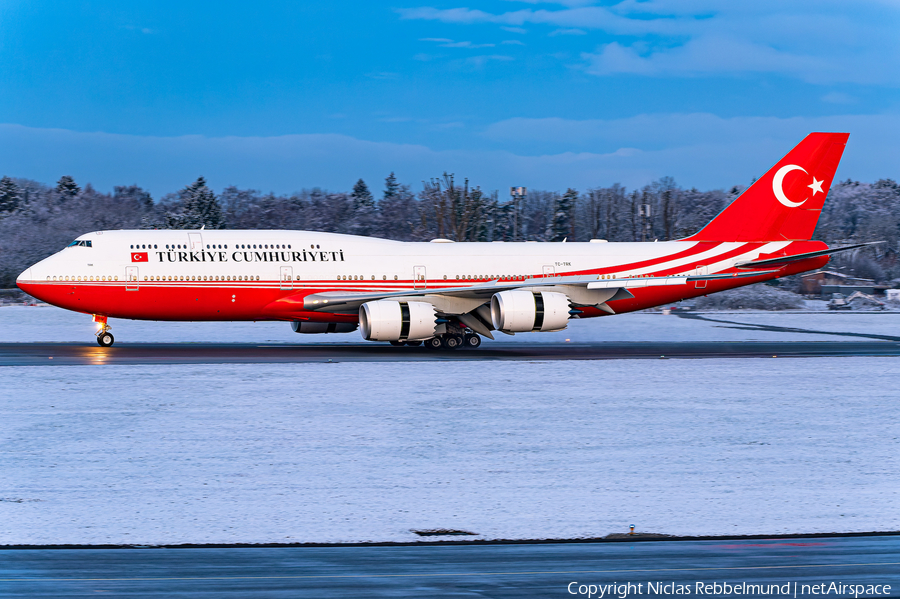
783, 260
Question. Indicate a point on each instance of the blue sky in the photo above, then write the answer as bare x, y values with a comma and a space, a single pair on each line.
284, 95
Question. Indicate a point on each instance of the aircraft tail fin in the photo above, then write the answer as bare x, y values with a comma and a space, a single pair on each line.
785, 203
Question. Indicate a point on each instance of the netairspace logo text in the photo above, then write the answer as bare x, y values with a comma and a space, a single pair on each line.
719, 589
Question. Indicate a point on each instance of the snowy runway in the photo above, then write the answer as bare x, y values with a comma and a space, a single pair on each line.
370, 451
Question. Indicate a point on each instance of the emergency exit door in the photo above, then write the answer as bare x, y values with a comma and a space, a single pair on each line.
287, 277
196, 241
419, 281
700, 271
131, 278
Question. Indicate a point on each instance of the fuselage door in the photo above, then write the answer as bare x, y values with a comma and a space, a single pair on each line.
700, 271
287, 277
196, 241
549, 270
419, 281
131, 278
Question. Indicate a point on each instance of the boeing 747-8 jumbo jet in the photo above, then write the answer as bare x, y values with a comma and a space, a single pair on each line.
441, 293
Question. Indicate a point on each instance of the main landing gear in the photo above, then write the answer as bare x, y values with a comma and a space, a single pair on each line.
454, 336
451, 341
104, 337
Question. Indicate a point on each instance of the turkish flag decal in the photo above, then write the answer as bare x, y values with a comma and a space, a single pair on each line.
139, 257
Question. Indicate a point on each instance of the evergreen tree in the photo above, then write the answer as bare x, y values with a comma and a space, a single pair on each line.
362, 197
133, 193
67, 188
391, 187
10, 196
562, 225
199, 208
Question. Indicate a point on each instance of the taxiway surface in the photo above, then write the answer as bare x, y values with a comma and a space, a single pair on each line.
492, 570
55, 354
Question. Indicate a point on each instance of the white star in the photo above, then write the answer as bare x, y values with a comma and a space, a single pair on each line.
816, 186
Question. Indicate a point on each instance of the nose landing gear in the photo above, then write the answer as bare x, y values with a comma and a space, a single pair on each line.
104, 337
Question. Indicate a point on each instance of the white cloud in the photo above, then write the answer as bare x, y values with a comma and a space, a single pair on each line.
560, 2
701, 56
448, 43
697, 149
822, 42
479, 62
839, 98
573, 31
592, 17
707, 150
383, 75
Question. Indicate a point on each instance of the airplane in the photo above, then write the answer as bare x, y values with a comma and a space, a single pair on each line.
441, 293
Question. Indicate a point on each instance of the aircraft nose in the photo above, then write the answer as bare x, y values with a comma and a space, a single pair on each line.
23, 278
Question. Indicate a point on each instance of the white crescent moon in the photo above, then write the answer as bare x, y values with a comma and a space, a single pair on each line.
778, 180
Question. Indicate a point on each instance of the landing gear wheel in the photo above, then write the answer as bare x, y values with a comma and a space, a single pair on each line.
414, 343
452, 341
434, 343
473, 341
398, 343
105, 339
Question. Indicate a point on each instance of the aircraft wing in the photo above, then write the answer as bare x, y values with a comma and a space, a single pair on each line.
468, 298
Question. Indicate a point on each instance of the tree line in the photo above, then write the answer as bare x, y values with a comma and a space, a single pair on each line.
37, 220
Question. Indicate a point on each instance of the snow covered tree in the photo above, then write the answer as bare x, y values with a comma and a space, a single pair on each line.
198, 208
455, 210
133, 193
362, 197
399, 216
563, 224
391, 186
66, 188
10, 196
363, 221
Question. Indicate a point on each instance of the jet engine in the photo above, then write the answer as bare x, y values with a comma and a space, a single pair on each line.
302, 326
519, 311
390, 320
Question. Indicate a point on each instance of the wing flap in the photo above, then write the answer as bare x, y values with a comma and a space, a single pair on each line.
630, 283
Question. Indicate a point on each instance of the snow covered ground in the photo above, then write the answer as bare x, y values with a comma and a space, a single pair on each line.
371, 451
50, 324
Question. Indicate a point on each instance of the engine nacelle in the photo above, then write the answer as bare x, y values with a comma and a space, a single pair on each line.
390, 320
520, 311
302, 326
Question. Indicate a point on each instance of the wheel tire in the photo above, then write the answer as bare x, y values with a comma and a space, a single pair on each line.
473, 341
434, 343
414, 343
452, 342
105, 339
398, 343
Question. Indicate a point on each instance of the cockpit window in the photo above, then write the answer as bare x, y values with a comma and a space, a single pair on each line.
82, 242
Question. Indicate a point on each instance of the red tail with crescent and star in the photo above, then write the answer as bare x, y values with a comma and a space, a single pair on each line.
785, 203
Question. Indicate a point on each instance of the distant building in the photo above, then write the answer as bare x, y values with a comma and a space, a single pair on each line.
826, 282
